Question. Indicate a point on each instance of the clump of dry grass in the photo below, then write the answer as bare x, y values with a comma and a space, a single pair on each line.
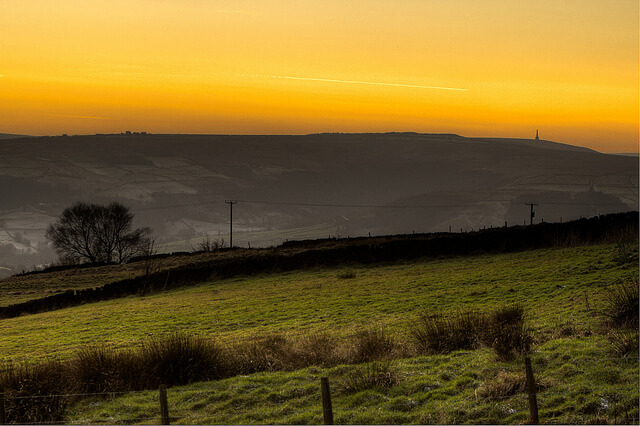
620, 306
373, 375
374, 344
35, 393
624, 343
506, 383
503, 330
439, 334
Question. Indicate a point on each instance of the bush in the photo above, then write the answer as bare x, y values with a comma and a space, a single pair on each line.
34, 393
621, 304
374, 375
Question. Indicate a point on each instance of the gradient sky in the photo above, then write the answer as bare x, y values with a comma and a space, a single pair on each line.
477, 68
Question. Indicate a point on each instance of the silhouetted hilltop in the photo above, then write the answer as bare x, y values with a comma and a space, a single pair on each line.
297, 187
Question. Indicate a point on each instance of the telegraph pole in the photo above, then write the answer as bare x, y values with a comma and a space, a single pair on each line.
533, 213
231, 203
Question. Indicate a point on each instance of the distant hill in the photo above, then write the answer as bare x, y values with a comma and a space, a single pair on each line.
297, 187
10, 136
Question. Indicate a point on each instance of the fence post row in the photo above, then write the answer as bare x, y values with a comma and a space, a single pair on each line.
164, 406
327, 410
531, 390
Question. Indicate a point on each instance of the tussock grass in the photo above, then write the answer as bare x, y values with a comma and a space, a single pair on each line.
441, 334
373, 344
35, 392
620, 305
373, 375
347, 275
505, 384
270, 353
180, 359
624, 343
509, 383
97, 369
505, 331
502, 329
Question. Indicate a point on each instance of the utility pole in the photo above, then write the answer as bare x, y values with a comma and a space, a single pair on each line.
533, 213
231, 203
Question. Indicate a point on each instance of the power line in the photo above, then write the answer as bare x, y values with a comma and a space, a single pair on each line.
370, 206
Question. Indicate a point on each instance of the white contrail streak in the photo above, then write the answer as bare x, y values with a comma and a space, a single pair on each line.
370, 83
80, 116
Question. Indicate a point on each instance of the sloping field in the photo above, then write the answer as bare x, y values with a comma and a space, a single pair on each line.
581, 376
554, 286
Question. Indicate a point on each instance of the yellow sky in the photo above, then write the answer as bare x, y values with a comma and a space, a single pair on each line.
566, 67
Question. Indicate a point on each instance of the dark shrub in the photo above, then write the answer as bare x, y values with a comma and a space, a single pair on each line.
34, 393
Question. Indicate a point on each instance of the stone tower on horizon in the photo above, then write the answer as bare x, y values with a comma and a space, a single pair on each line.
537, 138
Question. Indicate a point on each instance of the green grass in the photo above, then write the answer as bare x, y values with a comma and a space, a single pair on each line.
560, 289
430, 390
553, 285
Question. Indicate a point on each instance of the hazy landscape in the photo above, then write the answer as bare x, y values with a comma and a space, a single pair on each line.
299, 187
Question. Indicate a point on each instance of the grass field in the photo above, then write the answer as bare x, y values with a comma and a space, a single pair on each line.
580, 384
554, 286
561, 289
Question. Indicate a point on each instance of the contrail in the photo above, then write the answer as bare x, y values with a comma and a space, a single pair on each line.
370, 83
80, 116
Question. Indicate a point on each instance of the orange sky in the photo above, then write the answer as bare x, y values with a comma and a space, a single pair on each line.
566, 67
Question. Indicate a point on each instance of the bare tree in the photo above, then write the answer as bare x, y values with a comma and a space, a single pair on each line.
97, 233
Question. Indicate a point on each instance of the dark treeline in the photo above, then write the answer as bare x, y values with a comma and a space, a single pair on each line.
612, 228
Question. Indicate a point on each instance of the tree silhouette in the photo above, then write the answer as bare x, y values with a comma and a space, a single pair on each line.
96, 233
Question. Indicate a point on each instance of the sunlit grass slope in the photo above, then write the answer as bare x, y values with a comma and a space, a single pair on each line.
579, 384
555, 286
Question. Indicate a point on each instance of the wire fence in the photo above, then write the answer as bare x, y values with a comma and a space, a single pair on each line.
297, 397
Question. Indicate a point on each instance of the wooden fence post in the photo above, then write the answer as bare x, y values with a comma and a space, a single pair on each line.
164, 406
531, 390
327, 411
3, 414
